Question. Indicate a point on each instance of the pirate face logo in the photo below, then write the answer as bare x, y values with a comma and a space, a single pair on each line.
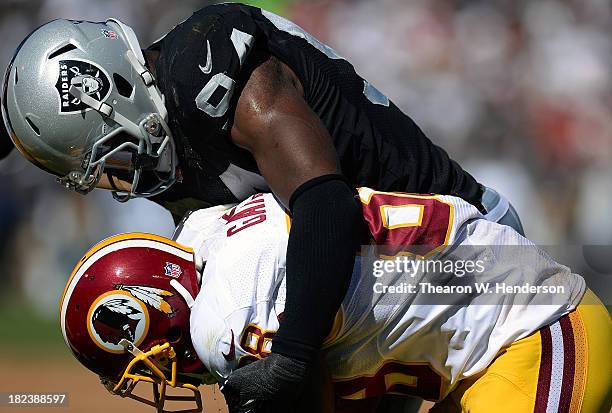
91, 85
86, 76
114, 316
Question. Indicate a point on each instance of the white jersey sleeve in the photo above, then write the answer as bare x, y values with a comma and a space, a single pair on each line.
242, 295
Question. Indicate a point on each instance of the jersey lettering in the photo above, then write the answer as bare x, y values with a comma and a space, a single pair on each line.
407, 379
250, 214
374, 95
256, 342
371, 93
220, 80
293, 29
404, 223
241, 42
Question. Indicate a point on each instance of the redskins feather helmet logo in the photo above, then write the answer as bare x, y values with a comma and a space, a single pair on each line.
154, 297
122, 314
114, 316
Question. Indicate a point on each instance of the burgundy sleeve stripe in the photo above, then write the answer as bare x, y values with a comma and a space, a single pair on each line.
562, 372
545, 371
568, 365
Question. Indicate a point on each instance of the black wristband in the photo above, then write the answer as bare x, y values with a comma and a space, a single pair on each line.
325, 235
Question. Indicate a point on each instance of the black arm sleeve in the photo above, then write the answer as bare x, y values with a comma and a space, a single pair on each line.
325, 235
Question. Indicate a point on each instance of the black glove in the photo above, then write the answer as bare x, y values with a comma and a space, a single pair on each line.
272, 381
234, 405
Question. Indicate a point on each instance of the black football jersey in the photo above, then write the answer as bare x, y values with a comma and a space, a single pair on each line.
205, 61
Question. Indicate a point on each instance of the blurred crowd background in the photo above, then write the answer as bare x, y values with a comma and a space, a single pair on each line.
519, 92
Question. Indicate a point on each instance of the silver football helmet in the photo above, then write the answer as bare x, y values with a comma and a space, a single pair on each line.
79, 102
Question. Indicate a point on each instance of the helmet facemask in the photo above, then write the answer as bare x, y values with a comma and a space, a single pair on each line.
127, 159
157, 366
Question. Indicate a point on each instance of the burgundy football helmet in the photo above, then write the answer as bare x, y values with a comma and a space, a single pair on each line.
125, 316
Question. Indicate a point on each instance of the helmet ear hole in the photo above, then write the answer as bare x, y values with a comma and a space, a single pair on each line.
174, 335
124, 87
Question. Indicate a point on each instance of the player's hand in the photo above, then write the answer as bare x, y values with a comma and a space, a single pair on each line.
273, 379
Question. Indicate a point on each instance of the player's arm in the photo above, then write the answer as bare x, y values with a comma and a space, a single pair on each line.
295, 154
288, 140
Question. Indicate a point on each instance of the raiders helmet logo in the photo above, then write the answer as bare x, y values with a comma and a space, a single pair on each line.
91, 85
86, 76
114, 316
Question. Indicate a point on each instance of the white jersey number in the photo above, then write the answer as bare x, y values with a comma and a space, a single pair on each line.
242, 42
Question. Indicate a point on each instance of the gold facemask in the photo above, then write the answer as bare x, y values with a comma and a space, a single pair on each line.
155, 361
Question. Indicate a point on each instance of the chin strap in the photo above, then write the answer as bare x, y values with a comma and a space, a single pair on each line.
111, 181
136, 58
149, 82
183, 292
103, 108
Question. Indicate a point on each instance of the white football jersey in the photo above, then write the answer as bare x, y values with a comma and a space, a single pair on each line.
401, 329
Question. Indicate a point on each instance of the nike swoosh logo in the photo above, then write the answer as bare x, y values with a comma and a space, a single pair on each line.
208, 68
231, 355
